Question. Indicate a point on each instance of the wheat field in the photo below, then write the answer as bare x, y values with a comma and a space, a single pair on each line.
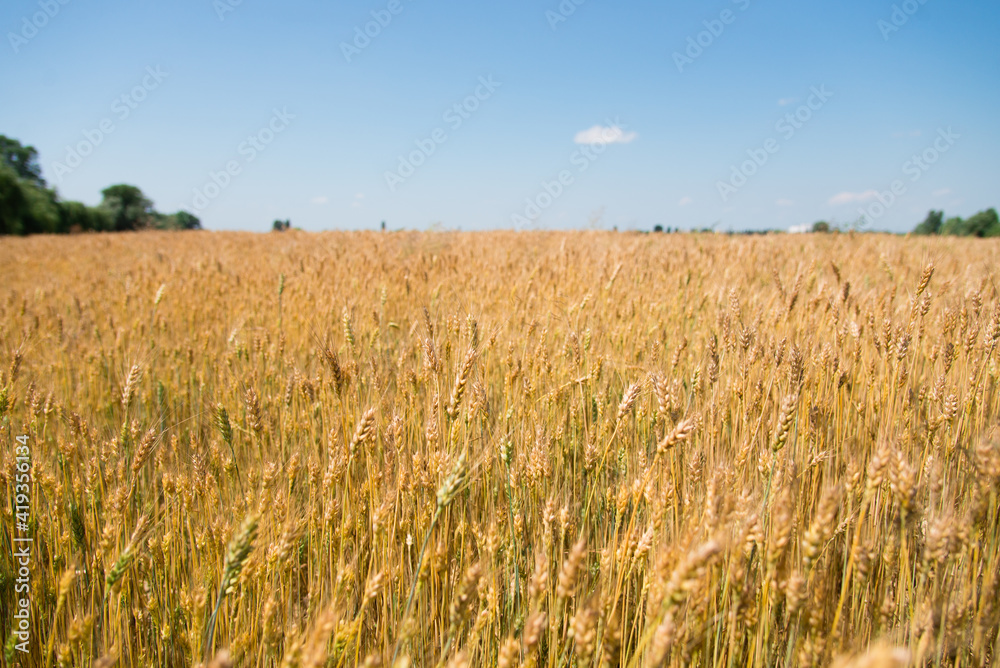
501, 449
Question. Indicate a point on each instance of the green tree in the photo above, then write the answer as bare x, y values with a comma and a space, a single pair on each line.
26, 208
22, 159
983, 224
932, 223
42, 215
953, 226
13, 202
821, 227
187, 221
128, 207
78, 217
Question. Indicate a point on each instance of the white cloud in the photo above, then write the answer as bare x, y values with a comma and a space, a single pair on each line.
359, 196
785, 101
322, 199
942, 192
785, 202
604, 135
685, 201
851, 198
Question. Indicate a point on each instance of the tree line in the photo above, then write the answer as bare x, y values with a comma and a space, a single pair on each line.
983, 224
29, 206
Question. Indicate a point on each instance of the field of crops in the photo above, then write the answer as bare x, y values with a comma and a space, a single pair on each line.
499, 449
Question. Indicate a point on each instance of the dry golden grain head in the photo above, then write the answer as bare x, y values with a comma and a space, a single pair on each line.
903, 481
925, 279
237, 553
365, 430
570, 570
454, 482
461, 379
255, 419
611, 643
583, 632
144, 450
128, 389
314, 650
466, 599
785, 417
689, 571
663, 639
680, 433
878, 657
539, 584
509, 655
783, 519
65, 583
373, 587
222, 660
533, 629
629, 398
822, 525
987, 456
460, 660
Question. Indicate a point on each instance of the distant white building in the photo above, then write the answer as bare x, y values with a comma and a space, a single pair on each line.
799, 229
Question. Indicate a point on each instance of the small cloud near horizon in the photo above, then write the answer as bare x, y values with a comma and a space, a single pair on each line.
357, 200
785, 101
600, 134
322, 199
785, 202
942, 193
852, 198
685, 201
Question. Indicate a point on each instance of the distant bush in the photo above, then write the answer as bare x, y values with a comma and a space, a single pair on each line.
821, 227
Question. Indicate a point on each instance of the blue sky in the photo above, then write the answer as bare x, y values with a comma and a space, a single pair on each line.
674, 133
